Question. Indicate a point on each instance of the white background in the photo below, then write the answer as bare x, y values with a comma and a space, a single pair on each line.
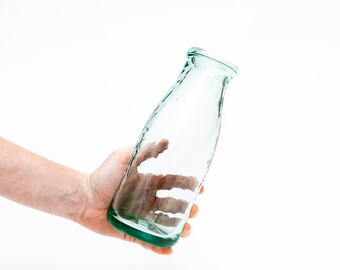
79, 79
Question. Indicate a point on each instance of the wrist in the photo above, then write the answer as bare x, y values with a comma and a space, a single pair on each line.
81, 200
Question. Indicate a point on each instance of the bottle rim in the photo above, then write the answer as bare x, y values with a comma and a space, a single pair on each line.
195, 51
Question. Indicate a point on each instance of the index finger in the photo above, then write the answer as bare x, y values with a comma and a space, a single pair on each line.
151, 150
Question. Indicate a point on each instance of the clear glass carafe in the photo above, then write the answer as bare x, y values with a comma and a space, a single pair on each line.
173, 153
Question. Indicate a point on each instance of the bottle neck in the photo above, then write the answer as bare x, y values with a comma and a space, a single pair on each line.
209, 77
199, 57
212, 68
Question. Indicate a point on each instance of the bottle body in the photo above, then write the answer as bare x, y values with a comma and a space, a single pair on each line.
173, 154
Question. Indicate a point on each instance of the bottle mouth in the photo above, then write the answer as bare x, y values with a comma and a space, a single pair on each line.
195, 51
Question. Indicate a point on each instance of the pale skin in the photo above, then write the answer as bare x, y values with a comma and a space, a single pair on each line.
37, 182
137, 197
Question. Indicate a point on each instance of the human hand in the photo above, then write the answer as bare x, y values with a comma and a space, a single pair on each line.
137, 198
102, 184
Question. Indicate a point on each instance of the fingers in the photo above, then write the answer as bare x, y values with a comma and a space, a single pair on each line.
180, 207
186, 230
158, 250
161, 251
194, 211
201, 190
187, 227
151, 150
169, 181
166, 220
171, 205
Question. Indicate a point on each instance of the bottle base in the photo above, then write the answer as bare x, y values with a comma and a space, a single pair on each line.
138, 234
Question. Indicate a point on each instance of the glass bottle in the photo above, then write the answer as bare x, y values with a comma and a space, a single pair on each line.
173, 153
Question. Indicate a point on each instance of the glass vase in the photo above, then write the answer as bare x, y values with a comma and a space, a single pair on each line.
173, 153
